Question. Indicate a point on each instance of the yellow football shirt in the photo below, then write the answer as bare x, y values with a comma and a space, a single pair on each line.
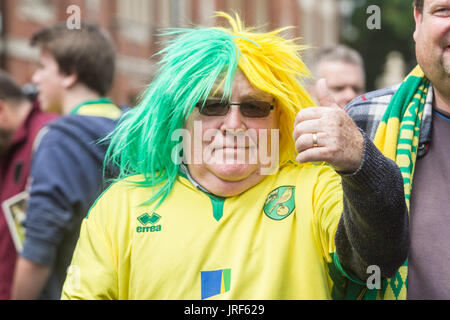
274, 241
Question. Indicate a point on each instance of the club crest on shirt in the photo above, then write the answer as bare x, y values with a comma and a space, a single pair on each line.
280, 203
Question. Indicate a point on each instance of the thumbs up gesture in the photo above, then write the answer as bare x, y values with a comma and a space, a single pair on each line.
327, 133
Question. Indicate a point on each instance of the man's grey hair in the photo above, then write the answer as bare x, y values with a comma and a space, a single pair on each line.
339, 53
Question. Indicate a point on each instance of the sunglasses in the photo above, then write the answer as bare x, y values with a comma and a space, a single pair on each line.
249, 109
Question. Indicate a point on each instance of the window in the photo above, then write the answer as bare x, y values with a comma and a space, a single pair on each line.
40, 11
134, 19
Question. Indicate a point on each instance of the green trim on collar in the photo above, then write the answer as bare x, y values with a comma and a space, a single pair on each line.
102, 100
216, 201
217, 204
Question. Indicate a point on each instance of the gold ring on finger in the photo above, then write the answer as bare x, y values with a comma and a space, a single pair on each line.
315, 143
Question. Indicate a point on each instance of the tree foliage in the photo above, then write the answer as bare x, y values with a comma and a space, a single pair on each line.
395, 34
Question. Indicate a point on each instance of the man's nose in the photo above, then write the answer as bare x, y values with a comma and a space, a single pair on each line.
234, 120
348, 95
35, 77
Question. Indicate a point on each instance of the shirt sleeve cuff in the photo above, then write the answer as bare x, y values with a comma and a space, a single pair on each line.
39, 251
370, 175
339, 267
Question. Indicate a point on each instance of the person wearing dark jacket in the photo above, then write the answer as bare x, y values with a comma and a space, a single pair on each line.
21, 121
74, 74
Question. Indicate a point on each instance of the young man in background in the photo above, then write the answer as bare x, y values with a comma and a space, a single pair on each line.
74, 74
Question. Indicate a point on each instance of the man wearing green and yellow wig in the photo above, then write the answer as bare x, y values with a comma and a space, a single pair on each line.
410, 123
233, 185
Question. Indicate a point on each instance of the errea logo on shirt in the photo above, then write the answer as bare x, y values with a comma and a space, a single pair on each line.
145, 219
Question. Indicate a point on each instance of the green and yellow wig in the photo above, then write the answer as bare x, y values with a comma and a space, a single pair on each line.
193, 61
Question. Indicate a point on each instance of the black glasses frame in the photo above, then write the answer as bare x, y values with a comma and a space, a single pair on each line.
203, 108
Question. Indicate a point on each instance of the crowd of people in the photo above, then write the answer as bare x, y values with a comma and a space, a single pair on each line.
295, 191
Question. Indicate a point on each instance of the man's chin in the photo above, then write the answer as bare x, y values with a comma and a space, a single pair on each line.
232, 171
226, 179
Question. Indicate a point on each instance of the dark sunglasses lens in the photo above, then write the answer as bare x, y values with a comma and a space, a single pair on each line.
256, 109
214, 108
250, 109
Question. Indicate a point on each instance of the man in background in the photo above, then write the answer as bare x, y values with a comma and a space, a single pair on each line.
74, 74
343, 70
410, 123
20, 122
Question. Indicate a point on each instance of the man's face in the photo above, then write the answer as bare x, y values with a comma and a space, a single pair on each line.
49, 82
345, 80
432, 37
227, 166
5, 138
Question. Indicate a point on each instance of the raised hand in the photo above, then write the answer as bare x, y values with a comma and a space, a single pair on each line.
327, 133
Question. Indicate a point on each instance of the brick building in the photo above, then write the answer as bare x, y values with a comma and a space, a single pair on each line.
134, 25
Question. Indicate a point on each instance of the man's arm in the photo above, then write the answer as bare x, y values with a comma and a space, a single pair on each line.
373, 229
29, 280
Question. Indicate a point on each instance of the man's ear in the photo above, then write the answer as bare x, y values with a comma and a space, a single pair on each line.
418, 16
69, 80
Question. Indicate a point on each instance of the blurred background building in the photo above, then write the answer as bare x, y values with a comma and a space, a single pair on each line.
134, 25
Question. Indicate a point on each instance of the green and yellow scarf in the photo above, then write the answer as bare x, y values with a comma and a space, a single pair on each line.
397, 137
